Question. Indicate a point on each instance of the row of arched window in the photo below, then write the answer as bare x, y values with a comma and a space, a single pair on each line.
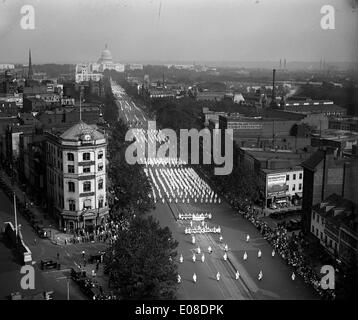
85, 156
86, 186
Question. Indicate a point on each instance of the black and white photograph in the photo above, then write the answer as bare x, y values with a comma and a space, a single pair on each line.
182, 152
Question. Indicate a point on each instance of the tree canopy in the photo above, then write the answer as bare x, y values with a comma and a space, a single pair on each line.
140, 263
129, 185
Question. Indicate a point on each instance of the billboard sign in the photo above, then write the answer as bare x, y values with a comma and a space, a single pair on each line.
276, 185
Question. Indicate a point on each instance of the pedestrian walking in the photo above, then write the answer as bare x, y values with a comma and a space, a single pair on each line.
259, 254
194, 278
218, 276
199, 250
260, 275
237, 275
226, 248
221, 238
203, 258
179, 278
225, 256
210, 250
35, 241
181, 259
194, 257
193, 240
83, 254
273, 253
293, 276
247, 238
245, 256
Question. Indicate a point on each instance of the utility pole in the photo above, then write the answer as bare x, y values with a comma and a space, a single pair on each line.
15, 215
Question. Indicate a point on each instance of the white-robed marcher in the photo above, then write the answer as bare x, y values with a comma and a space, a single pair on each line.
198, 250
179, 278
225, 256
273, 253
226, 248
221, 238
203, 258
293, 276
259, 254
237, 275
218, 276
181, 259
194, 277
194, 257
245, 256
247, 238
193, 239
210, 250
260, 275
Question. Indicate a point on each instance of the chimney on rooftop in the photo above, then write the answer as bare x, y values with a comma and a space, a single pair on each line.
273, 98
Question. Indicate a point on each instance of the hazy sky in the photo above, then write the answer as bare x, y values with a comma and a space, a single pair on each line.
187, 30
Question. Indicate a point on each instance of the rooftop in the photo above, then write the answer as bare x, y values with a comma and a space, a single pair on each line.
79, 131
339, 210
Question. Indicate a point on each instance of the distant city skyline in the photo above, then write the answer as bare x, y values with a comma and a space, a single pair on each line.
225, 31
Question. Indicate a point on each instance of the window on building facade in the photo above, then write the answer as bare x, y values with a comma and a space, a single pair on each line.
87, 204
294, 176
71, 186
312, 229
300, 176
317, 218
86, 156
100, 184
287, 177
71, 169
313, 215
100, 167
300, 186
70, 157
294, 187
87, 186
72, 205
100, 155
100, 203
86, 169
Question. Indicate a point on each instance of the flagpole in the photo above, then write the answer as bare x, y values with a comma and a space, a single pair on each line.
15, 215
80, 104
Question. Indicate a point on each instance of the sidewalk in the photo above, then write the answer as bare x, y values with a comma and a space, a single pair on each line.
39, 214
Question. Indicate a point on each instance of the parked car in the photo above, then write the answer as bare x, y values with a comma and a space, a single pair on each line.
49, 264
293, 225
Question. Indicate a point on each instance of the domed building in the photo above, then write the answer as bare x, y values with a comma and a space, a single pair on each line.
105, 61
92, 71
106, 56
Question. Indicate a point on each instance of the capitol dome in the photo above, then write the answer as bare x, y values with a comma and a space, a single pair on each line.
106, 56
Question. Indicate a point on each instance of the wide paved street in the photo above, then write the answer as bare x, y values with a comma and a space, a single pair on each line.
276, 282
49, 280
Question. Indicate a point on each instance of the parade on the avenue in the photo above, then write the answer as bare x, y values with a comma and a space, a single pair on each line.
191, 152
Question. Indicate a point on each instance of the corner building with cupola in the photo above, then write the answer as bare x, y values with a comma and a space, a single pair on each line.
76, 177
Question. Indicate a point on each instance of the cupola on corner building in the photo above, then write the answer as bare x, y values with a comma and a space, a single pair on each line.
76, 176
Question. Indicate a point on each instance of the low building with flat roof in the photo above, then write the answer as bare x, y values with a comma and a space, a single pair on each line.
334, 222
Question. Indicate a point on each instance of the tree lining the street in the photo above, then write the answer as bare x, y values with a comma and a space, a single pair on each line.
140, 264
129, 185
